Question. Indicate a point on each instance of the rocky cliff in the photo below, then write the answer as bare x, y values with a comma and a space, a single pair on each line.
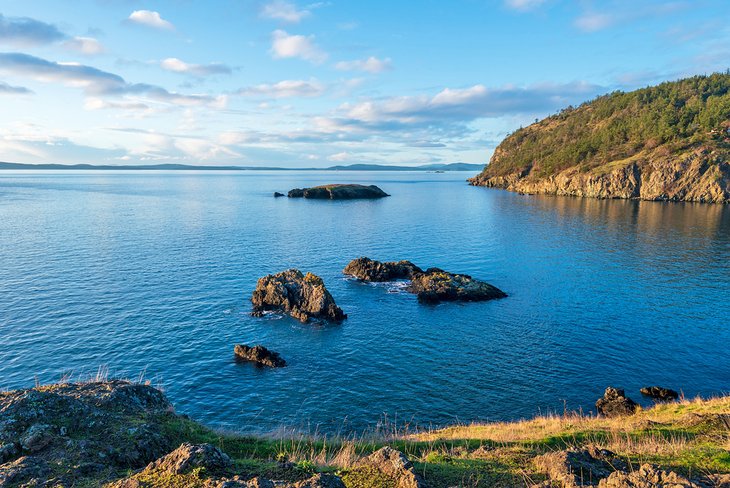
668, 143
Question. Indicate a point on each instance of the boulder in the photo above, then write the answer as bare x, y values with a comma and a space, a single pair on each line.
259, 355
436, 285
188, 457
395, 465
660, 393
647, 476
36, 437
320, 480
615, 403
338, 192
367, 269
578, 467
304, 297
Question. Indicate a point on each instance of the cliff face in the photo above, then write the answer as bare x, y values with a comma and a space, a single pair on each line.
667, 142
695, 177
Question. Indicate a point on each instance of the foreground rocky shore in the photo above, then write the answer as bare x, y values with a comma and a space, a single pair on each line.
124, 435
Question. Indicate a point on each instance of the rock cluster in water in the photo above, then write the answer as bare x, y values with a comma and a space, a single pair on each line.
258, 354
367, 269
304, 297
660, 393
615, 403
338, 192
431, 286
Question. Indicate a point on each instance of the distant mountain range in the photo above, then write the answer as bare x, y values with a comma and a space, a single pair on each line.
179, 167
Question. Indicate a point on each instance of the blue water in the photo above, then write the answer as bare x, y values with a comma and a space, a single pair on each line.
150, 273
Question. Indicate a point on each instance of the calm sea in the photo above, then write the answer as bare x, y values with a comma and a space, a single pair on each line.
150, 273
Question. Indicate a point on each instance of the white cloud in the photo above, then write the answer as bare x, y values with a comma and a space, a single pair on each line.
285, 89
284, 11
592, 22
285, 45
340, 156
85, 45
178, 66
25, 31
523, 5
370, 65
150, 18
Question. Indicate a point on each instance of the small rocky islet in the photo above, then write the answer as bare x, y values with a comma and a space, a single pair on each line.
337, 192
259, 355
433, 285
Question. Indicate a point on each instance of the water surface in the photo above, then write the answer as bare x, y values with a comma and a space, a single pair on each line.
149, 273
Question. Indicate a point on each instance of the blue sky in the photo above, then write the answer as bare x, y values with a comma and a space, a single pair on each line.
298, 83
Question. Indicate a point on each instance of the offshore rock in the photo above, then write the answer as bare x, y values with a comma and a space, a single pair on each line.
615, 403
436, 285
259, 355
338, 192
304, 297
367, 269
660, 393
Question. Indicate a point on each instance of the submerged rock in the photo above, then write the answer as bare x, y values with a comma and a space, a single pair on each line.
436, 285
615, 403
304, 297
338, 192
259, 355
659, 393
367, 269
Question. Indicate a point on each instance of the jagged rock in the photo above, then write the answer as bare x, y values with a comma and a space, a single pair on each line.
436, 285
367, 269
659, 393
304, 297
259, 355
647, 476
395, 465
578, 467
190, 456
36, 437
99, 416
277, 194
338, 192
24, 469
320, 480
615, 403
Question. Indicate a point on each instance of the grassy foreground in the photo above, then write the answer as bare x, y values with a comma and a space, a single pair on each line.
690, 437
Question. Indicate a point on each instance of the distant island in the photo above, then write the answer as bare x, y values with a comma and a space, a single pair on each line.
668, 142
184, 167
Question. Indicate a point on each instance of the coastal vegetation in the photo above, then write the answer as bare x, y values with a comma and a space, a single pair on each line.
106, 432
666, 142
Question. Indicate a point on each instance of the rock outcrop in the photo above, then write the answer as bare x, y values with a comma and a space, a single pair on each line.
615, 403
660, 393
304, 297
278, 194
94, 427
578, 467
338, 192
436, 285
647, 476
396, 466
367, 269
258, 354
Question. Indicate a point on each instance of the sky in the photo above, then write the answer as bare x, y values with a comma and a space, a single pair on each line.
300, 83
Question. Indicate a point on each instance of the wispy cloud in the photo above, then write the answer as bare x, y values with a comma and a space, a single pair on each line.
200, 70
24, 31
523, 5
595, 21
93, 81
285, 45
620, 12
370, 65
284, 11
285, 89
6, 89
150, 18
85, 45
